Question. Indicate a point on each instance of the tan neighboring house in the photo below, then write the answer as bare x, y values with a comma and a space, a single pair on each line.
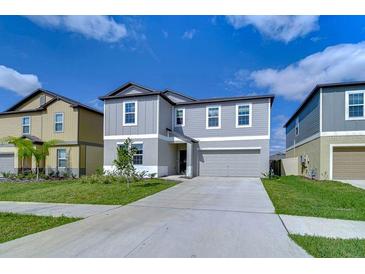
44, 116
326, 135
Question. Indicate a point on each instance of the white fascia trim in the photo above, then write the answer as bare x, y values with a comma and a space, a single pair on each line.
207, 117
269, 119
158, 115
320, 110
135, 113
306, 140
230, 148
137, 136
232, 138
249, 113
343, 133
347, 93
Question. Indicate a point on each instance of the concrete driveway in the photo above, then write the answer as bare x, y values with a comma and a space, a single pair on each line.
202, 217
356, 183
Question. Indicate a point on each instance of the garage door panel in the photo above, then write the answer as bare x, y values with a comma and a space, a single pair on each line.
229, 163
7, 162
349, 163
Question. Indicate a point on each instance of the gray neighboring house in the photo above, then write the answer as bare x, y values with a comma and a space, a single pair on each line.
177, 134
327, 132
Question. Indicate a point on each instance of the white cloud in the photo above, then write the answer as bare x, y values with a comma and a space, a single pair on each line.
278, 134
344, 62
102, 28
22, 84
165, 34
189, 34
96, 103
280, 28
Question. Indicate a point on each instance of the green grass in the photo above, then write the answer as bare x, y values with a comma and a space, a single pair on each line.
14, 226
295, 195
321, 247
76, 192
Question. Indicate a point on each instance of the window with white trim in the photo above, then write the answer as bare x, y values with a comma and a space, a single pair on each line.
180, 117
130, 117
297, 126
138, 156
26, 125
243, 115
355, 105
213, 117
61, 158
59, 122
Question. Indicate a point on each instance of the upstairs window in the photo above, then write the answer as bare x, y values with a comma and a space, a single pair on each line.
297, 126
354, 105
180, 117
213, 117
130, 114
26, 125
61, 158
58, 122
243, 115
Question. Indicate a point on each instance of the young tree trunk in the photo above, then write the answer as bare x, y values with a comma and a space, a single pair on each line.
22, 165
37, 172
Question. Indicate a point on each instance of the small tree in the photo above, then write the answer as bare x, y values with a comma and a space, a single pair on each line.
24, 146
41, 152
124, 161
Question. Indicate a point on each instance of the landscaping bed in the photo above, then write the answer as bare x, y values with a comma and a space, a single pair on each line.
107, 190
294, 195
321, 247
14, 226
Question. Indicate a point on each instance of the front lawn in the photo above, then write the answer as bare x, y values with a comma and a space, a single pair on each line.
14, 226
295, 195
78, 192
321, 247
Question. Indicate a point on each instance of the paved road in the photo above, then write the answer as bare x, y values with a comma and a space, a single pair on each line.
203, 217
54, 209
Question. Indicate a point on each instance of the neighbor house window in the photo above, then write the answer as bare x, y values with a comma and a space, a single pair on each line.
243, 115
61, 158
180, 117
354, 105
138, 156
130, 113
297, 126
26, 125
58, 122
213, 117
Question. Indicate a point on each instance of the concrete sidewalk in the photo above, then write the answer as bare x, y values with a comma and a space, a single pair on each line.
55, 209
330, 228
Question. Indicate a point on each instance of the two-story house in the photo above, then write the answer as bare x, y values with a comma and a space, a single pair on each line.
176, 134
327, 132
44, 116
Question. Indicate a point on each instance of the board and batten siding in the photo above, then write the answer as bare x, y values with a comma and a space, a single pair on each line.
165, 116
334, 110
146, 117
309, 122
195, 120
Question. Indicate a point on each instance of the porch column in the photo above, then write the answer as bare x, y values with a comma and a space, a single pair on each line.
189, 159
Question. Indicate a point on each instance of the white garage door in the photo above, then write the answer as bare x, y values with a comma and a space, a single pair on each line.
7, 163
243, 163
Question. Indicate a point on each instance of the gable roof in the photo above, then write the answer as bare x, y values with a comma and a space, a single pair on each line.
112, 95
73, 103
316, 89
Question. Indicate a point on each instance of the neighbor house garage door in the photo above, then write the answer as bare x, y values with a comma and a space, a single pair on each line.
229, 163
7, 163
349, 163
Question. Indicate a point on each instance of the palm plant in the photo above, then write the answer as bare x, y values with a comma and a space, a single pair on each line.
41, 152
24, 146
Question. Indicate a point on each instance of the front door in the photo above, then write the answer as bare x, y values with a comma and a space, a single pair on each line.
182, 161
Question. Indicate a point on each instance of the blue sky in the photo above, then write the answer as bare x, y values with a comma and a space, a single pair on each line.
202, 56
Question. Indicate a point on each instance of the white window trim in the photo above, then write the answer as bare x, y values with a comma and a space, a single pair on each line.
135, 113
58, 159
207, 117
55, 122
249, 115
30, 123
183, 124
347, 95
295, 126
135, 143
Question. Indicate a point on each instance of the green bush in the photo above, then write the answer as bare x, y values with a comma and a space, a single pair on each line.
101, 179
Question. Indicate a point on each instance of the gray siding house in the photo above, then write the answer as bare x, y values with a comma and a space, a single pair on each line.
177, 134
327, 132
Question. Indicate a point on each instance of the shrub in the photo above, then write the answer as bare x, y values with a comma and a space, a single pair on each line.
101, 179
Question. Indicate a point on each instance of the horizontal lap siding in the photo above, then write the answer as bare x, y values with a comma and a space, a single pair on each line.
349, 163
